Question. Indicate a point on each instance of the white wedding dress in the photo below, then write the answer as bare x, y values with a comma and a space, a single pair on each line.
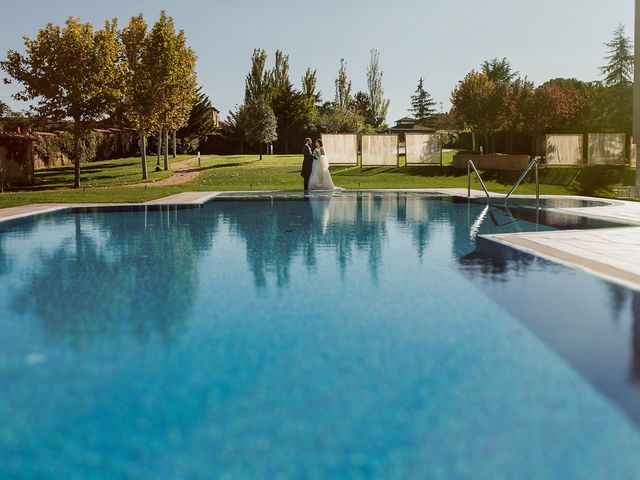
320, 178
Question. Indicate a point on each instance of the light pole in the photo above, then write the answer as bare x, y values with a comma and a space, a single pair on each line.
636, 94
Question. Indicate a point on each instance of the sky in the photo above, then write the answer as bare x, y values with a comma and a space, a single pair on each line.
438, 40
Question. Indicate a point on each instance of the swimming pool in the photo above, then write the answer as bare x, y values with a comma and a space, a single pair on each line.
364, 335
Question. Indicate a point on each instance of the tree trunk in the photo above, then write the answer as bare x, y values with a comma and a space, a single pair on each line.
159, 149
76, 155
473, 142
143, 154
174, 144
166, 149
261, 149
486, 142
241, 147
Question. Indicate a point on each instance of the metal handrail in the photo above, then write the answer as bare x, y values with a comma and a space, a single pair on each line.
525, 172
470, 165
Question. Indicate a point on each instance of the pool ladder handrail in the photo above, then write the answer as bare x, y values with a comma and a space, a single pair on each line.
471, 165
534, 162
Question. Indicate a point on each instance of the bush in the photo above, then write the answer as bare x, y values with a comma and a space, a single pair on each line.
57, 149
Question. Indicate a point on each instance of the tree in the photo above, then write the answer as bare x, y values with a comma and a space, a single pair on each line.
557, 105
257, 80
294, 111
172, 68
310, 84
361, 105
73, 72
379, 105
260, 123
616, 100
4, 109
139, 100
200, 124
343, 88
618, 71
481, 104
333, 119
234, 128
422, 104
499, 70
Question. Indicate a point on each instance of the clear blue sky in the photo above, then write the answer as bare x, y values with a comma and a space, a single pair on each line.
439, 40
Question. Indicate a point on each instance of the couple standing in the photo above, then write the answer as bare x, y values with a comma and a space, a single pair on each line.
315, 167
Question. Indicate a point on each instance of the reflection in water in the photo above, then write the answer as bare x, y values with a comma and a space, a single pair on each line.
138, 276
275, 233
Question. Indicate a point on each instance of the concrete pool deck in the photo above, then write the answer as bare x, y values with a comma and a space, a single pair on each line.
612, 253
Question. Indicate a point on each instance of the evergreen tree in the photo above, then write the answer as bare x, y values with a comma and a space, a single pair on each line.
619, 68
499, 70
361, 105
616, 99
379, 105
422, 104
200, 124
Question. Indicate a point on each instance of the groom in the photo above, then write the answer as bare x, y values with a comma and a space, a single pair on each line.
307, 163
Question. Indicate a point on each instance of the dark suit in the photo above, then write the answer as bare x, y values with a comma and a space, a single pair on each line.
307, 165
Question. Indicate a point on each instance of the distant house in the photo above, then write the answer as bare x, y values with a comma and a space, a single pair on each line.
408, 125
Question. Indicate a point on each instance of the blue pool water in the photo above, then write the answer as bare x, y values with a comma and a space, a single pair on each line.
359, 336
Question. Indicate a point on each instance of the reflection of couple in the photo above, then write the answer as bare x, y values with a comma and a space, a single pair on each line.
315, 168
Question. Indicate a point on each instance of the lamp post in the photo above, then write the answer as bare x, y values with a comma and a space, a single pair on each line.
636, 94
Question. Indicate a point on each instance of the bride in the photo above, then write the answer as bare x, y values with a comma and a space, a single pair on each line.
320, 176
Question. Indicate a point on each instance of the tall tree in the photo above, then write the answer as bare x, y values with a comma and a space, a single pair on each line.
379, 105
618, 70
257, 80
73, 72
172, 66
4, 109
422, 104
343, 87
139, 100
261, 126
616, 100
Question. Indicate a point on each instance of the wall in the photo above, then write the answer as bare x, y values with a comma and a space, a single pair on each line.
492, 161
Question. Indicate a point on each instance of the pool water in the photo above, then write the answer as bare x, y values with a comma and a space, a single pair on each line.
353, 336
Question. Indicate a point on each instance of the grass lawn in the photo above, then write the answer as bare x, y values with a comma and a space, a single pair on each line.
122, 171
110, 181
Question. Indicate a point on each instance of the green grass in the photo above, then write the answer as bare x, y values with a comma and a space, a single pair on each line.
107, 181
121, 171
